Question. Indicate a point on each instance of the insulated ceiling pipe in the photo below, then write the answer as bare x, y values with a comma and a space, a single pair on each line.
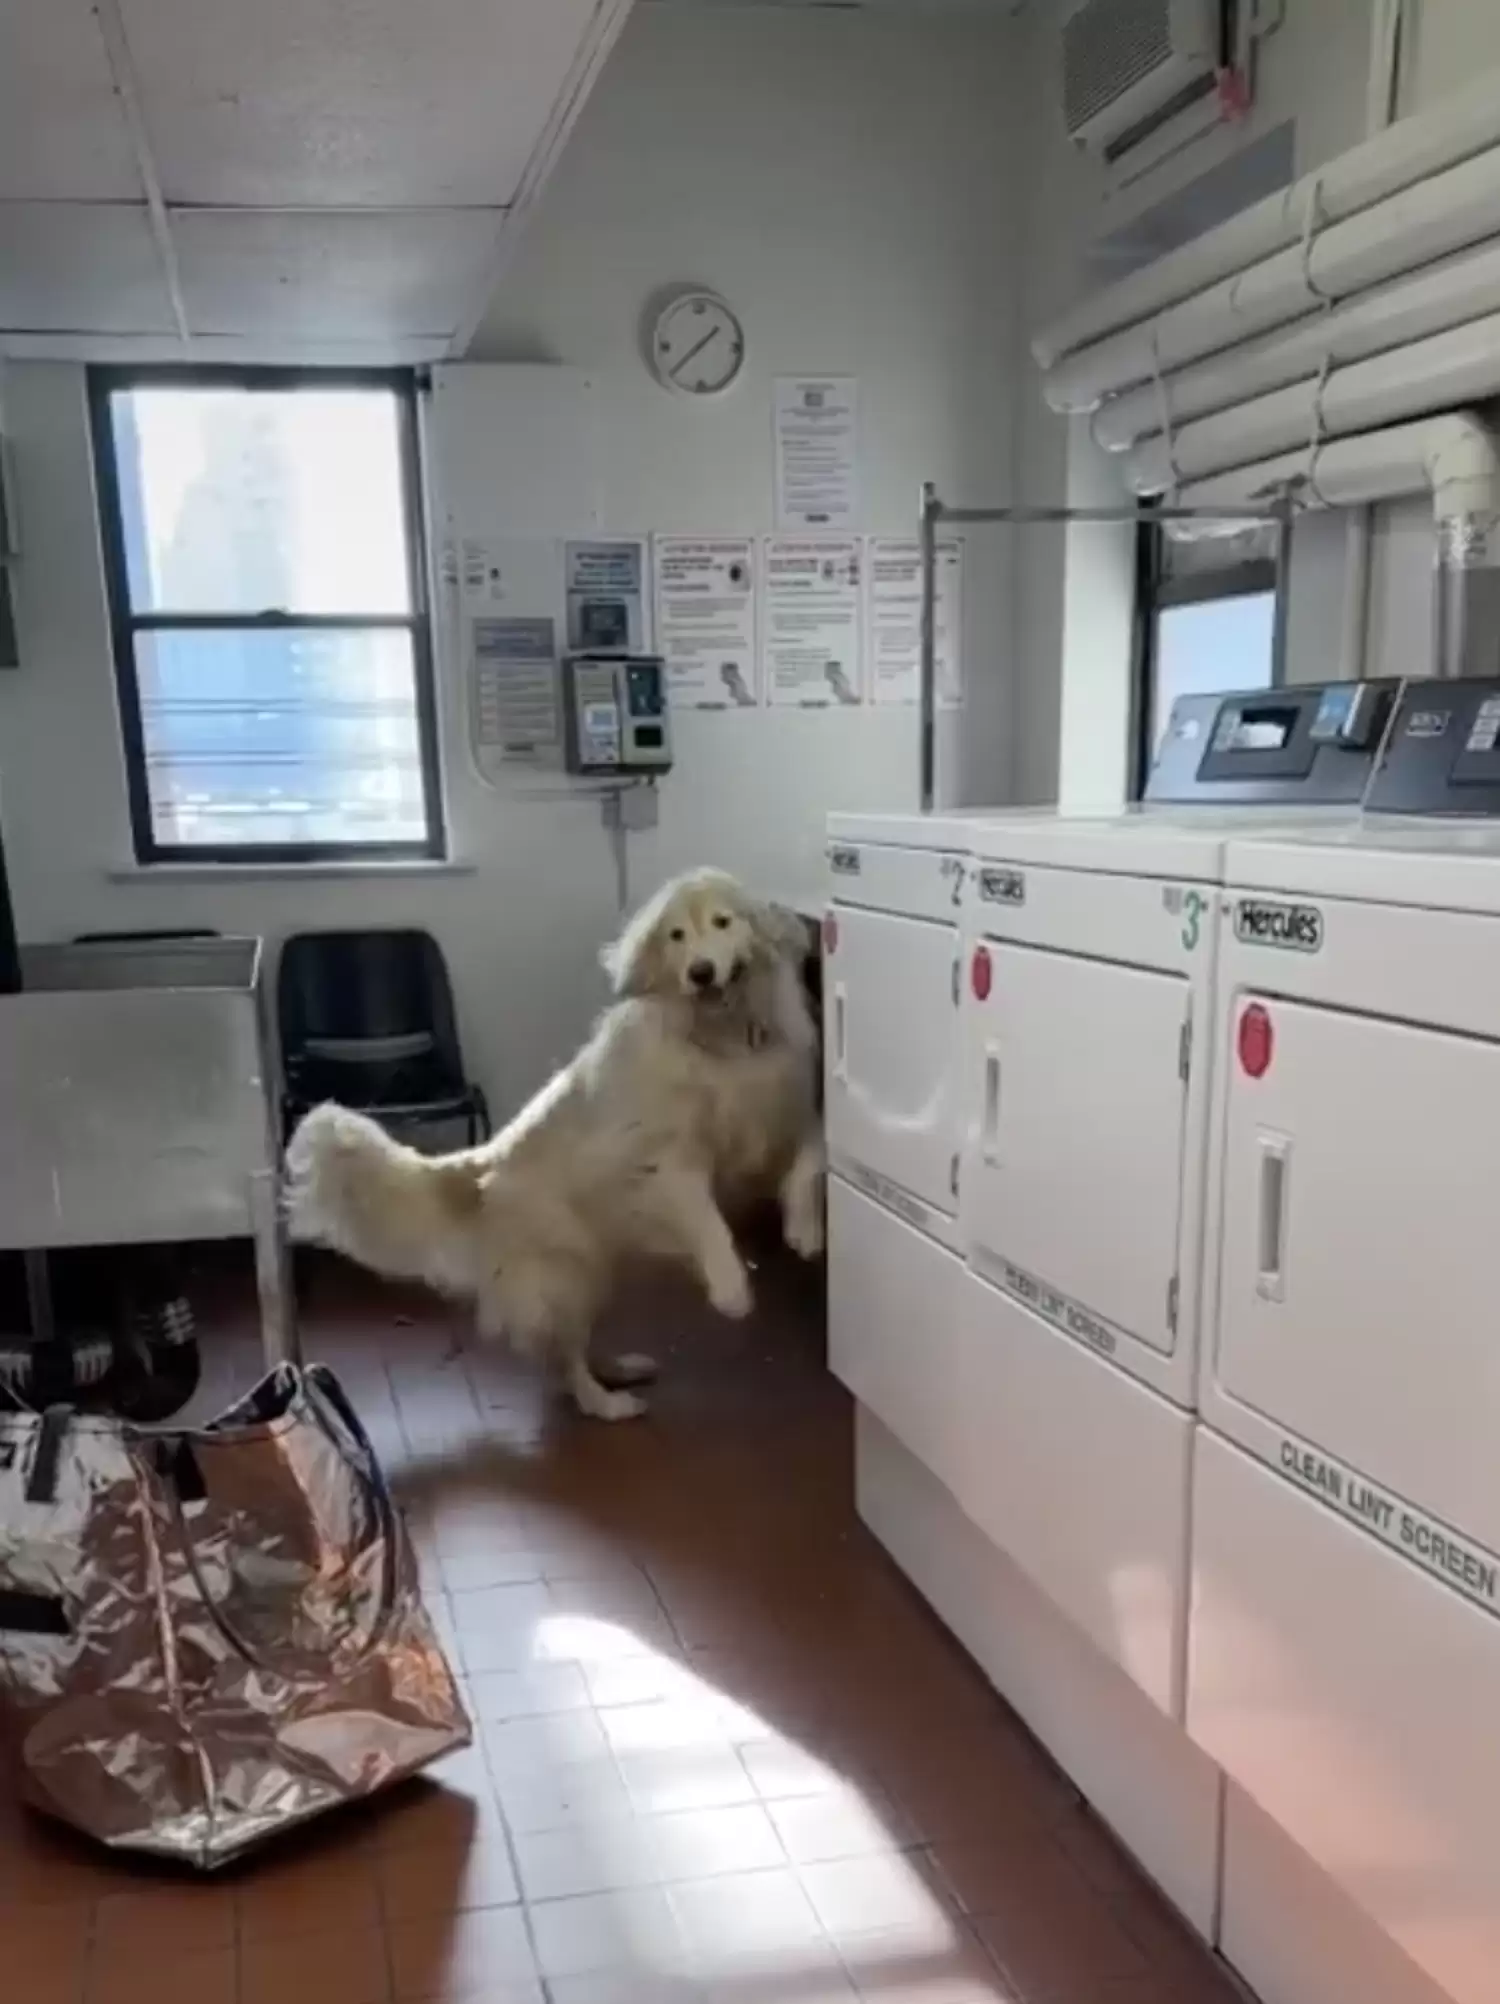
1445, 295
1445, 213
1444, 373
1412, 150
1455, 458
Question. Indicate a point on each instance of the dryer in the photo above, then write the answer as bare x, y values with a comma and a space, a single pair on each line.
891, 968
1345, 1634
1090, 953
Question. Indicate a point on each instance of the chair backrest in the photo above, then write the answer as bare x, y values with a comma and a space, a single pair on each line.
146, 933
367, 1016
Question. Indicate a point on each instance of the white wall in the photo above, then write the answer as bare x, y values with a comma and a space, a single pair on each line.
846, 180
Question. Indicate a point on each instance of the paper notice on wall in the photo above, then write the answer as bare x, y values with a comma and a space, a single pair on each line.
503, 573
893, 620
810, 620
606, 594
516, 711
817, 452
705, 620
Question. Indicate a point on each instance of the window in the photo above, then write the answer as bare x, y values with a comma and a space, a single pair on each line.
1200, 631
263, 556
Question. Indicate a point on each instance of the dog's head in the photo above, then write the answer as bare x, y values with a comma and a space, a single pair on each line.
700, 936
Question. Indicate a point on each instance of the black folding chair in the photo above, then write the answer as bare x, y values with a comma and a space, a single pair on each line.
367, 1019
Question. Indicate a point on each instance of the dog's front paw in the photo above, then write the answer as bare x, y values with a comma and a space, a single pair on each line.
803, 1231
730, 1294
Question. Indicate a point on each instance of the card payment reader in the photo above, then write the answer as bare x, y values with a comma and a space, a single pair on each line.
615, 721
1314, 744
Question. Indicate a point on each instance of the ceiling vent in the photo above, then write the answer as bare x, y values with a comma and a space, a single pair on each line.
1131, 65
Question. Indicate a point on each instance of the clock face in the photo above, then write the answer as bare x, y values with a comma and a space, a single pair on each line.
698, 346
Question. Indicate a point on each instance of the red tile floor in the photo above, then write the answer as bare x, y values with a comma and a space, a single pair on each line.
723, 1753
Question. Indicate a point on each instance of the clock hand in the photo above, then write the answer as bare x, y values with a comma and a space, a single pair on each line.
696, 349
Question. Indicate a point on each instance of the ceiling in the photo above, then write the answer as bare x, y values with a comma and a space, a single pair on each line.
275, 179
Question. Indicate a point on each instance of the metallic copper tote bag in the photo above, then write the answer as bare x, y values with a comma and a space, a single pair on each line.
209, 1636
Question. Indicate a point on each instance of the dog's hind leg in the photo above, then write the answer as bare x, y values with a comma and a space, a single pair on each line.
597, 1400
533, 1306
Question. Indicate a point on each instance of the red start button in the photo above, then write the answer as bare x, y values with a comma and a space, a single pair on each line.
830, 932
1255, 1041
981, 974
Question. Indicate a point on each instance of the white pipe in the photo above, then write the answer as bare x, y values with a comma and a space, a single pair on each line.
1411, 151
1371, 323
1456, 458
1445, 213
1443, 373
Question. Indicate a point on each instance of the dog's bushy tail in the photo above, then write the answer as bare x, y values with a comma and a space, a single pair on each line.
403, 1214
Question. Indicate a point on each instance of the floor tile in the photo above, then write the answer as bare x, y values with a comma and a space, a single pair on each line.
606, 1854
192, 1919
343, 1966
745, 1915
876, 1893
207, 1976
312, 1894
45, 1954
439, 1878
723, 1753
485, 1957
536, 1693
848, 1822
632, 1931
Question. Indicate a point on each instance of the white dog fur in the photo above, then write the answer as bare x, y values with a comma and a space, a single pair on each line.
694, 1096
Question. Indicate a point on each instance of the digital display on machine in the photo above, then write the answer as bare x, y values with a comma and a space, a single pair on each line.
1264, 727
649, 735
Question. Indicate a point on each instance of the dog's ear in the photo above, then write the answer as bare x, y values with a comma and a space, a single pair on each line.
633, 962
779, 929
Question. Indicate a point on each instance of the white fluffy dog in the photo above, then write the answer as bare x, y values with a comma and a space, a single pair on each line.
695, 1094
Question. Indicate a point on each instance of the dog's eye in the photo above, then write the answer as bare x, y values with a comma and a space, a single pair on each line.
677, 934
720, 920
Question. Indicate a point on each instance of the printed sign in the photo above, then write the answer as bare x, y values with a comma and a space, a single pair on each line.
1063, 1314
1416, 1536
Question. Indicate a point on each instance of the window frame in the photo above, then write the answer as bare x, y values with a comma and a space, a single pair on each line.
125, 623
1156, 593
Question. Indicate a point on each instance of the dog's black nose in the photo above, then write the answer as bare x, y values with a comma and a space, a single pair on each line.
701, 973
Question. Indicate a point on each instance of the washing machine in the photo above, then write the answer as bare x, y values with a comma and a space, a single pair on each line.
1090, 948
1345, 1633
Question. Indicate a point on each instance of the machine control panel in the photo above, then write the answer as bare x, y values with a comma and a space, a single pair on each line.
1442, 755
615, 715
1315, 745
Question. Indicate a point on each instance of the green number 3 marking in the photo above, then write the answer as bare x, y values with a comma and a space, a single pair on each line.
1192, 919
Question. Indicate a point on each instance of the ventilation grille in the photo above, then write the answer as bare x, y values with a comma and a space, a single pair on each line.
1109, 46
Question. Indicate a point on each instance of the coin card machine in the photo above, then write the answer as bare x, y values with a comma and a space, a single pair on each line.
1310, 746
1443, 753
615, 719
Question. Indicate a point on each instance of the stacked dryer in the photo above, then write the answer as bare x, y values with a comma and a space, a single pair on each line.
1019, 1067
1345, 1652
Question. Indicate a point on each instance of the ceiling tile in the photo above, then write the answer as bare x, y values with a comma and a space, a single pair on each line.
80, 265
357, 277
62, 135
358, 102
